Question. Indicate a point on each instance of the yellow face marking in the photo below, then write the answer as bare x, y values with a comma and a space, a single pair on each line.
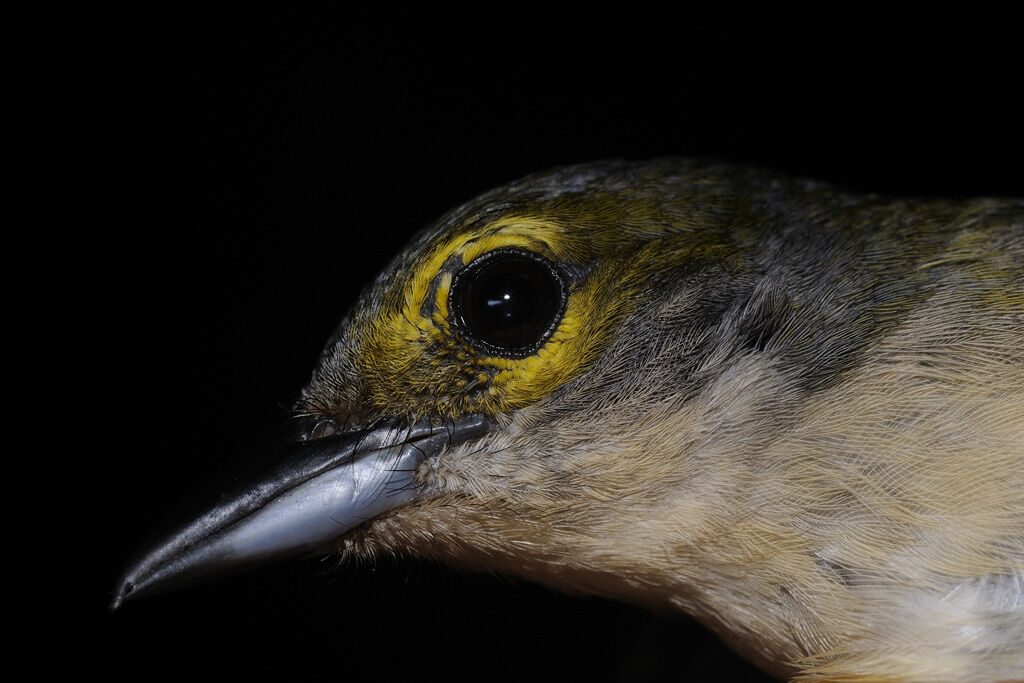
413, 360
444, 286
527, 233
398, 342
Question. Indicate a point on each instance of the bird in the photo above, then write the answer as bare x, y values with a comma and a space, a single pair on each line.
793, 412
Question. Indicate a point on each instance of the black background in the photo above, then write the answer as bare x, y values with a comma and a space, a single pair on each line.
201, 195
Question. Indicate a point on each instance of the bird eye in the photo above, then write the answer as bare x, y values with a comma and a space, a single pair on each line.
508, 301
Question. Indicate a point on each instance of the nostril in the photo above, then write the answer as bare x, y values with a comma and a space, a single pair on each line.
323, 427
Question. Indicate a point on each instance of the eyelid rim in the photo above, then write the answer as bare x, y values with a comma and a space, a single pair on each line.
458, 321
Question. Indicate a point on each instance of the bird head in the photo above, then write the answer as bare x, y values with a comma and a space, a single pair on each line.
519, 391
684, 385
568, 318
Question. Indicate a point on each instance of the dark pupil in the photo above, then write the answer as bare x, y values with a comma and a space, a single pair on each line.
510, 302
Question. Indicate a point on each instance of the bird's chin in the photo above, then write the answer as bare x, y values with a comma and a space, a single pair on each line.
315, 492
